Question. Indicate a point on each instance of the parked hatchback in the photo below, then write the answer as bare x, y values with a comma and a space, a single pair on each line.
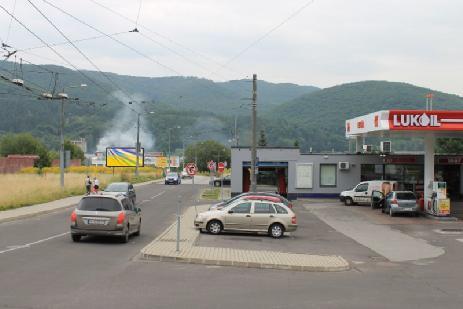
105, 215
400, 202
122, 187
280, 198
249, 215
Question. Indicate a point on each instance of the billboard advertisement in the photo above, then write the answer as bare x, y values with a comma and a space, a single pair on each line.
124, 157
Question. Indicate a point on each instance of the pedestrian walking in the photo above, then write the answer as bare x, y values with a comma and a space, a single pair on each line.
96, 184
88, 184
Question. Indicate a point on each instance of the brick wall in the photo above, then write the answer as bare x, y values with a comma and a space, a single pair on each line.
14, 163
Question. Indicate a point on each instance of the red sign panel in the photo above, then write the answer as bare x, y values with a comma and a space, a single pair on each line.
376, 121
191, 169
361, 124
416, 120
221, 167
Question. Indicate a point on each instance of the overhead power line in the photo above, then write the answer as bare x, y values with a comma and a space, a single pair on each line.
52, 49
112, 38
82, 53
9, 24
74, 41
265, 35
138, 15
172, 41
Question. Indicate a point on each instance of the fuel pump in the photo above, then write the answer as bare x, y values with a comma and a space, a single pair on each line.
438, 204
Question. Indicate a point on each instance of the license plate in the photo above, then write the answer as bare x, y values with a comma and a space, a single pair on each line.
408, 209
96, 222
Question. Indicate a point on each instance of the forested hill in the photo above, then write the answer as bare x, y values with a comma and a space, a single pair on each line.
202, 107
317, 119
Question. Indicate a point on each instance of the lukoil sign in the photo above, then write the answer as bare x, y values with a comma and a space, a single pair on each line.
408, 120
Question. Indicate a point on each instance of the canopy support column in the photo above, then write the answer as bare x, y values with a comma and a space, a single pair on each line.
429, 141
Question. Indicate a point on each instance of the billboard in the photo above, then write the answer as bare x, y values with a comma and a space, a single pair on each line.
124, 157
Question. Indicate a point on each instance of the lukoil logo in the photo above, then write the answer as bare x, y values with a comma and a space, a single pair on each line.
415, 120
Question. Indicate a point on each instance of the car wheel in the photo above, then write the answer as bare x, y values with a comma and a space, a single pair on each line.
382, 209
216, 183
391, 213
125, 237
372, 205
214, 227
137, 233
276, 230
76, 238
348, 201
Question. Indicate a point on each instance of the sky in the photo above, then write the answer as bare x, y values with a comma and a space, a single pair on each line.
329, 42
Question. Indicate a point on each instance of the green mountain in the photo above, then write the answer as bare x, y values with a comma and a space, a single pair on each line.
317, 119
202, 108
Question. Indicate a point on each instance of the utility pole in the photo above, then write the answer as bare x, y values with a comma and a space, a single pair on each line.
236, 131
61, 147
138, 145
254, 134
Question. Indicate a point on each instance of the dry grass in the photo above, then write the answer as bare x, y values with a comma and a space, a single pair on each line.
19, 190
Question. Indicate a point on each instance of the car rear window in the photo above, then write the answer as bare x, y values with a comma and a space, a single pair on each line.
280, 209
117, 187
406, 196
99, 204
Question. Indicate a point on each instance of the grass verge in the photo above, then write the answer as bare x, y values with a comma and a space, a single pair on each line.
29, 189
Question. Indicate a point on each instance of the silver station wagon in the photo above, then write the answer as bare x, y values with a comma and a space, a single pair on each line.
253, 216
105, 215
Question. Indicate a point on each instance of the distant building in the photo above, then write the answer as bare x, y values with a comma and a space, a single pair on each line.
14, 163
81, 143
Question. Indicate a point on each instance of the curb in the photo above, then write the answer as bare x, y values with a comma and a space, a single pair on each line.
217, 262
444, 219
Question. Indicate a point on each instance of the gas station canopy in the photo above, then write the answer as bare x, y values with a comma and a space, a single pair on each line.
426, 124
407, 123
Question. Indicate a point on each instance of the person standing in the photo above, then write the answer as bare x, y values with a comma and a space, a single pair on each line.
88, 184
96, 184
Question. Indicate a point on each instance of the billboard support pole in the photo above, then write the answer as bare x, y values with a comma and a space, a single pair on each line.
138, 145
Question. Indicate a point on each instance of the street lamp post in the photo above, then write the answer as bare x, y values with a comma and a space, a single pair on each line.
138, 148
170, 132
63, 96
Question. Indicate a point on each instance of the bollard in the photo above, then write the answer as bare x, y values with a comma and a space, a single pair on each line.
178, 222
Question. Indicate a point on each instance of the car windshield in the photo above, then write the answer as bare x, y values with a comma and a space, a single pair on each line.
406, 196
117, 187
172, 175
99, 204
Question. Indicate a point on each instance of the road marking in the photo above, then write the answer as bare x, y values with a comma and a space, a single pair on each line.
157, 195
12, 248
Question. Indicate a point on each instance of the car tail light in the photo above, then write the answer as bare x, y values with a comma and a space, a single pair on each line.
121, 218
394, 201
294, 220
73, 216
290, 205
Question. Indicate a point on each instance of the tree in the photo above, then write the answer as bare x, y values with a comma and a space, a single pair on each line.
203, 152
296, 143
25, 144
449, 145
76, 152
262, 139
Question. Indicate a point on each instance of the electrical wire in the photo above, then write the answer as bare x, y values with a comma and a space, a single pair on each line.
138, 15
74, 41
265, 35
81, 53
11, 21
52, 49
197, 53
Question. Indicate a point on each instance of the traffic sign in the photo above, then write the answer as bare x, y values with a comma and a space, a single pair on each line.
221, 167
211, 165
191, 169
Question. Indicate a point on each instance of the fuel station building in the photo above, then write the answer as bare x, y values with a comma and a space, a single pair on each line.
316, 175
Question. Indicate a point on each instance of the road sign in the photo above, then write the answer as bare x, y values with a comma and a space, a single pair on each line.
191, 169
221, 167
211, 165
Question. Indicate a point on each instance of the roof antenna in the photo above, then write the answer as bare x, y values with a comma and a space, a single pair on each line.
138, 17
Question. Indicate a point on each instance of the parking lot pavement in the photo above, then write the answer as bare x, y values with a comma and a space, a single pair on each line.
313, 236
163, 248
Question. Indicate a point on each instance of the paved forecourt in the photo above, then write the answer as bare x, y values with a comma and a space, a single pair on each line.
163, 248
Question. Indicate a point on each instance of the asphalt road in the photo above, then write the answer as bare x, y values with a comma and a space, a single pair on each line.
54, 272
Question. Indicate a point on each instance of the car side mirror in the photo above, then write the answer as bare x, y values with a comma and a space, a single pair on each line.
230, 211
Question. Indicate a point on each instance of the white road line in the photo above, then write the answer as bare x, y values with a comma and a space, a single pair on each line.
159, 194
13, 248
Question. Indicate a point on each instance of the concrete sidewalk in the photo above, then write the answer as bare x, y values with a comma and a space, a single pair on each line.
49, 207
163, 248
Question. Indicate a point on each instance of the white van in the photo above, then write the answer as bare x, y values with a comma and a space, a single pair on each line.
361, 193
